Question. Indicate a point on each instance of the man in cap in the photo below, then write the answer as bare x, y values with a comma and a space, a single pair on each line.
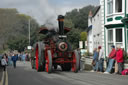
111, 57
100, 59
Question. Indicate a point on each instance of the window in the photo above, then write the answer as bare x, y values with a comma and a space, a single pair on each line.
109, 47
118, 5
110, 6
118, 35
110, 35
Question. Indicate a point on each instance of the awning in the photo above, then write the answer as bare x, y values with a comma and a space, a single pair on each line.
89, 28
114, 26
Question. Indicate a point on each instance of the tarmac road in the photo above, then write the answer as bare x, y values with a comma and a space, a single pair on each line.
24, 75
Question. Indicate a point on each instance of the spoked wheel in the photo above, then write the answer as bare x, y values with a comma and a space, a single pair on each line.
40, 59
75, 63
49, 61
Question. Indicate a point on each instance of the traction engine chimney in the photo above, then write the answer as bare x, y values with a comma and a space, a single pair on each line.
61, 24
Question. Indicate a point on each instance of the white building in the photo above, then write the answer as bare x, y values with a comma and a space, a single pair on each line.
94, 30
115, 31
111, 29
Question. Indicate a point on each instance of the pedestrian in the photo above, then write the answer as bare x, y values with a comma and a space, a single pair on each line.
9, 59
111, 58
95, 60
24, 57
14, 59
6, 58
119, 59
3, 62
100, 59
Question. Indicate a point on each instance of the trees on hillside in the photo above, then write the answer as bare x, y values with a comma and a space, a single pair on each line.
77, 19
14, 28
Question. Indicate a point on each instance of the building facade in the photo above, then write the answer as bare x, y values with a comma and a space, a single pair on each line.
94, 29
111, 28
115, 30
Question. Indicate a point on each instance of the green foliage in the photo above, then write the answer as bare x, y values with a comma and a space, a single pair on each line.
14, 29
83, 36
68, 23
74, 37
79, 18
18, 43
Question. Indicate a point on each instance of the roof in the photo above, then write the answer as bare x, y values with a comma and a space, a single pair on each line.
95, 11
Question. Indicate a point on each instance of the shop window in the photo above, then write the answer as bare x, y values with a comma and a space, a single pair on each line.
118, 5
109, 6
110, 35
118, 35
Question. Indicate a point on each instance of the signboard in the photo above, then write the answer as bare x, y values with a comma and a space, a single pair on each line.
86, 43
80, 44
29, 47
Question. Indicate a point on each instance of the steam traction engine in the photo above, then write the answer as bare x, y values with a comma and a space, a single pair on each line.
54, 50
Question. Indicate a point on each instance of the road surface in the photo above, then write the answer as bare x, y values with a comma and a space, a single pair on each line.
24, 75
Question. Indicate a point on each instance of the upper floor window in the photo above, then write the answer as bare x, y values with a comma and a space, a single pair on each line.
109, 6
118, 5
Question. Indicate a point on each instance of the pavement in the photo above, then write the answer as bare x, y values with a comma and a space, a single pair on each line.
24, 75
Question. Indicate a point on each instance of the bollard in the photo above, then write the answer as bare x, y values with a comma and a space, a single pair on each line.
82, 63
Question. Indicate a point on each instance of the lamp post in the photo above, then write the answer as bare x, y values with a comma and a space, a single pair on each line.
29, 29
29, 32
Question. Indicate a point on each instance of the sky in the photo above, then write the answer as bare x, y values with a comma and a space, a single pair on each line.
46, 11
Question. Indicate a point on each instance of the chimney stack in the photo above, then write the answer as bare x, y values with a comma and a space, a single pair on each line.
61, 24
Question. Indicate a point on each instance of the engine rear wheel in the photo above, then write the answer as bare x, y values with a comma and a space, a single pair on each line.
40, 58
49, 62
75, 63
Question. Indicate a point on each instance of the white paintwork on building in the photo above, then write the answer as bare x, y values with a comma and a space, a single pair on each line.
114, 30
90, 36
107, 24
96, 35
90, 41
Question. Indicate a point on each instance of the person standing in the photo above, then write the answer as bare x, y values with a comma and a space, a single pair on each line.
111, 57
14, 59
95, 60
24, 57
119, 59
100, 59
9, 59
3, 63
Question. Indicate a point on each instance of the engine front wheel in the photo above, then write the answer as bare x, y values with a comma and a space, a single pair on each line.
40, 59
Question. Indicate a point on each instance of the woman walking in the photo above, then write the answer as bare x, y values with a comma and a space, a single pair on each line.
3, 63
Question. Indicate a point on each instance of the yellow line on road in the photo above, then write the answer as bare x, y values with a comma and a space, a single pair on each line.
6, 81
2, 80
